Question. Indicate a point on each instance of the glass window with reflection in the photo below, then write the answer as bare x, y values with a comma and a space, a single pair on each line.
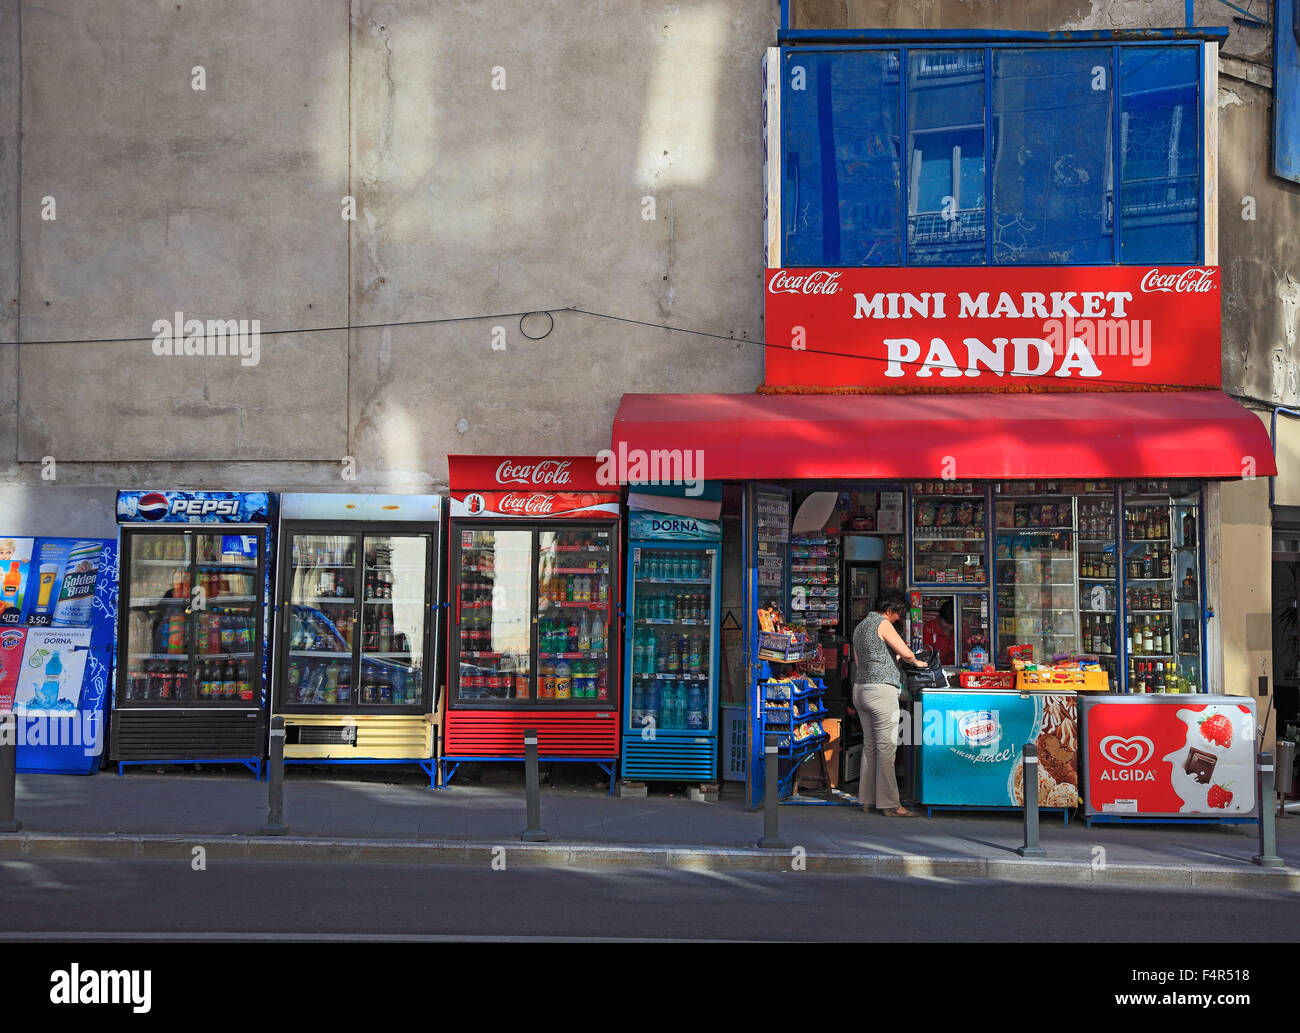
1053, 180
842, 189
1160, 142
945, 157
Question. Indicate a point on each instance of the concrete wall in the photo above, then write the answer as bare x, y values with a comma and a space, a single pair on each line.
502, 157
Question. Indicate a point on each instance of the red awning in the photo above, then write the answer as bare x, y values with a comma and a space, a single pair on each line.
1103, 436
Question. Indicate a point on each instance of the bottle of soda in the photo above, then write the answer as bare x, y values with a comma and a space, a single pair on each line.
229, 684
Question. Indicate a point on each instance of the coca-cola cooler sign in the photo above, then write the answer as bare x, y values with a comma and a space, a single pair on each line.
529, 488
1169, 756
983, 328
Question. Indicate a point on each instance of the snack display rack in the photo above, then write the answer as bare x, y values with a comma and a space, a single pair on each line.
792, 707
948, 534
815, 581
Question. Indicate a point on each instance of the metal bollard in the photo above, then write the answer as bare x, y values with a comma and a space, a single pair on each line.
275, 825
8, 771
532, 783
1267, 856
1031, 847
771, 837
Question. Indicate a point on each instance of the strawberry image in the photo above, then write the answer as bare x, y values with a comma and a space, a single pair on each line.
1219, 796
1217, 730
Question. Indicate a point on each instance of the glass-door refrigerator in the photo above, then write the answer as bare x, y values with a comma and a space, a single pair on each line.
533, 639
356, 635
193, 613
670, 665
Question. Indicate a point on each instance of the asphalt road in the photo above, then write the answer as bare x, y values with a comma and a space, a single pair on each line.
65, 899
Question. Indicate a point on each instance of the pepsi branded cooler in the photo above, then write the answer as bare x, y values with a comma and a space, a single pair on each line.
356, 630
670, 731
533, 562
195, 591
58, 607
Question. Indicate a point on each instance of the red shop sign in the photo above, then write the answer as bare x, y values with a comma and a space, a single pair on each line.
535, 505
981, 328
519, 473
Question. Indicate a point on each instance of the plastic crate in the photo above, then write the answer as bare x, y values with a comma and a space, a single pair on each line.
987, 679
1063, 681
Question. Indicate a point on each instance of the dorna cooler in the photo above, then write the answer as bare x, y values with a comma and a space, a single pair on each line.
533, 578
671, 654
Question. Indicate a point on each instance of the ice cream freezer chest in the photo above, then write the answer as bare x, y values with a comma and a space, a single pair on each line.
972, 745
1175, 755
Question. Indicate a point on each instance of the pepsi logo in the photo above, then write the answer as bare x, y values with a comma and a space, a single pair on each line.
152, 506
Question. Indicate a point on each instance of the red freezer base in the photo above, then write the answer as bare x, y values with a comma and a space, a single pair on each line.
499, 735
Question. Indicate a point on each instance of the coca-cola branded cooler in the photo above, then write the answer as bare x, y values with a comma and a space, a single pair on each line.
533, 546
195, 587
356, 635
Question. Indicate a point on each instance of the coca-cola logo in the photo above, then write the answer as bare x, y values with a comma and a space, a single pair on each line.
821, 281
548, 471
536, 504
1188, 281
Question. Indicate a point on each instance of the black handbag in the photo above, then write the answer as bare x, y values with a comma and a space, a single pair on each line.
931, 676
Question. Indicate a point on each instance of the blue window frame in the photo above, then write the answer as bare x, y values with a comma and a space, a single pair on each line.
1006, 155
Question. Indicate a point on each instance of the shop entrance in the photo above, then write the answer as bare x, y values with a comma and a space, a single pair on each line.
1102, 573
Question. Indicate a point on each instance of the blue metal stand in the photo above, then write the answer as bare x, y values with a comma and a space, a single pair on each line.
427, 765
449, 765
254, 764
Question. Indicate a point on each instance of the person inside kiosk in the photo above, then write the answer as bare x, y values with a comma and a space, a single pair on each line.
877, 682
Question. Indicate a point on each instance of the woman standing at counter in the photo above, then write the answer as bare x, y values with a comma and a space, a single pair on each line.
876, 684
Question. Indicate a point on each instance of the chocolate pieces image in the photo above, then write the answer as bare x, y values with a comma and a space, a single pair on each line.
1200, 765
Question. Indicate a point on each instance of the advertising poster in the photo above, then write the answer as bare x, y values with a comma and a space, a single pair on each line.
11, 659
48, 567
973, 742
15, 566
1168, 757
50, 675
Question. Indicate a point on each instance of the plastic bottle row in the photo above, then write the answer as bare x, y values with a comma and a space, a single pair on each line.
664, 705
656, 652
164, 680
673, 565
572, 634
331, 683
673, 607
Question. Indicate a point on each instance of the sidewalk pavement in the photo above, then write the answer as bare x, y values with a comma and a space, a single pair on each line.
386, 813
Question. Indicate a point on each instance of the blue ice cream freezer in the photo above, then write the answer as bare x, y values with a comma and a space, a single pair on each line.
971, 747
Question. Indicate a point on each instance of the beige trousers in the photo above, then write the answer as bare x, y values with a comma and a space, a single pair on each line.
877, 707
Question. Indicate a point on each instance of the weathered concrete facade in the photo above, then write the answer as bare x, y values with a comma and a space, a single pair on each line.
504, 157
